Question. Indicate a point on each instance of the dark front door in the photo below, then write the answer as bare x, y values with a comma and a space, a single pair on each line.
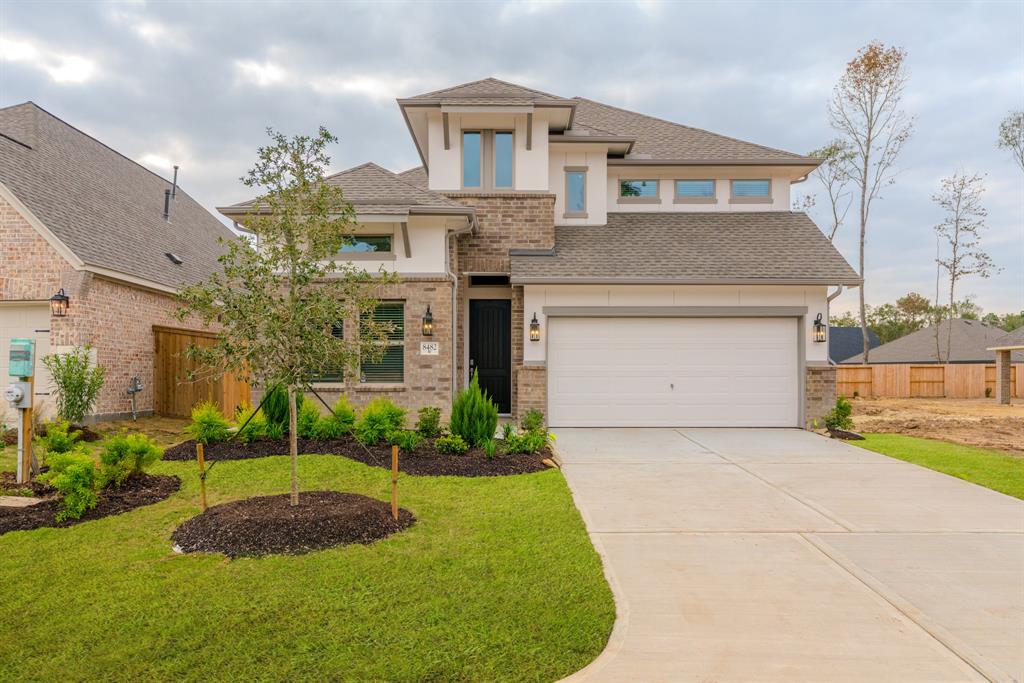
490, 348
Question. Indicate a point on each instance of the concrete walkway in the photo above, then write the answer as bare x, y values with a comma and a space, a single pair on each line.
779, 555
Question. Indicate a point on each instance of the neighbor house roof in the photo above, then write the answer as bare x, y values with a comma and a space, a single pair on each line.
777, 247
844, 342
104, 208
969, 342
1014, 339
375, 190
488, 91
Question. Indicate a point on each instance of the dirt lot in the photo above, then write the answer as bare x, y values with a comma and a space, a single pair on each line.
975, 422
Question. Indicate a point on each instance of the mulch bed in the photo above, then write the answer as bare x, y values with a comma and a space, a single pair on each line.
270, 525
136, 492
424, 461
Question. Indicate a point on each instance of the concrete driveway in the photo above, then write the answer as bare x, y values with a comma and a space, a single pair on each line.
779, 555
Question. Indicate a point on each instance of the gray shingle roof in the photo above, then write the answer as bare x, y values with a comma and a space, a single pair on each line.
375, 190
844, 342
1014, 338
969, 344
488, 91
663, 140
107, 209
724, 247
417, 176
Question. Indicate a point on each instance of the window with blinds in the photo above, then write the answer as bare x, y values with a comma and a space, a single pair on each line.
337, 375
695, 189
391, 367
751, 188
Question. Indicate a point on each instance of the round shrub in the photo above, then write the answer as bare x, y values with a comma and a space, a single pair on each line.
73, 474
451, 444
124, 456
380, 418
208, 424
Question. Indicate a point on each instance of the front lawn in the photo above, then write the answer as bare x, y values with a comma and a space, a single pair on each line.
993, 469
497, 580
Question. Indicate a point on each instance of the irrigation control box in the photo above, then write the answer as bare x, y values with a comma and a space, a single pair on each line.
21, 361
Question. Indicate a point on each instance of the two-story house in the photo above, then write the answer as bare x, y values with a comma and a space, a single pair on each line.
606, 267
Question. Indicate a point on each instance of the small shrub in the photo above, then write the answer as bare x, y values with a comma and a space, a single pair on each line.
474, 415
275, 431
406, 440
125, 456
532, 421
308, 421
76, 382
526, 443
74, 476
59, 438
208, 424
250, 429
452, 444
275, 406
988, 392
856, 394
380, 418
338, 423
490, 448
429, 424
839, 417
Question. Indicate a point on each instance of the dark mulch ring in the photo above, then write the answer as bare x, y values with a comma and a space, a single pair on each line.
424, 461
270, 525
10, 437
133, 493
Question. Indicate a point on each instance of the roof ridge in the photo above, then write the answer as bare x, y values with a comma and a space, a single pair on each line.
683, 125
443, 91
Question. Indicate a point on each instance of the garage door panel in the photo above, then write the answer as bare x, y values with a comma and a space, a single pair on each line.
672, 372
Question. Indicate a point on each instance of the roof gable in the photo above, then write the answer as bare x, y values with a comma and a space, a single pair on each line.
488, 91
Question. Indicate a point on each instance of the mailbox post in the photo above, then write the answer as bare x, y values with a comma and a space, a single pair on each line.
21, 367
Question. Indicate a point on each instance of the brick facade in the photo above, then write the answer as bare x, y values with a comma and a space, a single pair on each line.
532, 381
820, 392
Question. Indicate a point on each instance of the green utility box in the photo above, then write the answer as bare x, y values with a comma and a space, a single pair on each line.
21, 362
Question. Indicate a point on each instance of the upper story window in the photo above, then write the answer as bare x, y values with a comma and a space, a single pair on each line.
576, 192
751, 191
488, 159
367, 244
638, 191
695, 191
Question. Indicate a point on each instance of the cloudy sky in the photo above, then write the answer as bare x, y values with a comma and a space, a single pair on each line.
196, 83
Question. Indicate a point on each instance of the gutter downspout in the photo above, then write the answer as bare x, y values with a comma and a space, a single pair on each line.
828, 307
473, 224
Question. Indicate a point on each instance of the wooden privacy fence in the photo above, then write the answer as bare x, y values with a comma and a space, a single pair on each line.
908, 380
174, 395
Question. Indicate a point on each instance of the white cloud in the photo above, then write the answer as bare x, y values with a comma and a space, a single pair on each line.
377, 88
60, 67
263, 74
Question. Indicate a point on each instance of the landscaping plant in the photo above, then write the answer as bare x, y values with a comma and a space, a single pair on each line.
73, 474
474, 415
252, 429
532, 420
125, 456
308, 421
406, 440
339, 423
839, 417
451, 444
76, 382
275, 306
275, 406
429, 423
208, 424
379, 420
58, 438
490, 448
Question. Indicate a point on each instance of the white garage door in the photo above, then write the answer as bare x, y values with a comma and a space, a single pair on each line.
31, 321
672, 372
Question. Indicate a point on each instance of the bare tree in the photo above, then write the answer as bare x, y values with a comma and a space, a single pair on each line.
866, 110
959, 196
1011, 136
834, 176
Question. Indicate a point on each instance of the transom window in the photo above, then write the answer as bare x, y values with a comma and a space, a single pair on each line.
365, 244
575, 192
638, 188
695, 189
751, 188
488, 159
390, 369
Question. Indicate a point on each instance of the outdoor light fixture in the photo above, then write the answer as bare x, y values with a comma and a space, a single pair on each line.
59, 304
428, 323
819, 330
534, 329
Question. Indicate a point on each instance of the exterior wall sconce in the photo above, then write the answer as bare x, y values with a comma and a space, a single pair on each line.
819, 330
428, 323
534, 329
59, 304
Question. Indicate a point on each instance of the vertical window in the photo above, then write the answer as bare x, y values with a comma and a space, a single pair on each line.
391, 366
695, 189
575, 192
640, 189
472, 154
751, 189
503, 156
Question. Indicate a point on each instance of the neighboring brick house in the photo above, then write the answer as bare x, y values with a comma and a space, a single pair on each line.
609, 268
78, 216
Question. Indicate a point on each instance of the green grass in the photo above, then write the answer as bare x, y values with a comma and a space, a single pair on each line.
993, 469
496, 581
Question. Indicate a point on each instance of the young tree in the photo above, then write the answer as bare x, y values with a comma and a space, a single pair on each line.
834, 176
866, 110
1011, 136
959, 196
275, 305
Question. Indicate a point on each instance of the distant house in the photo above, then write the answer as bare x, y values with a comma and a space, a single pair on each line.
968, 341
845, 342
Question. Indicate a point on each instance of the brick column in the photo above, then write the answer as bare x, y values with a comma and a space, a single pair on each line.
819, 392
531, 389
1003, 380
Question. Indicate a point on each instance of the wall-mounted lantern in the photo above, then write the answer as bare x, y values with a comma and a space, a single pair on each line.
534, 329
819, 330
59, 304
428, 323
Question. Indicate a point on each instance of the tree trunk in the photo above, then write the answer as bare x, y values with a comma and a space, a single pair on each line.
293, 444
863, 311
935, 317
949, 329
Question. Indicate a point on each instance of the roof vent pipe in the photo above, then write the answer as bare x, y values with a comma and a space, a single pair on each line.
167, 205
174, 186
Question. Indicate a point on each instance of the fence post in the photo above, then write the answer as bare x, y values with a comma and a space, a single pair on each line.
202, 476
394, 482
